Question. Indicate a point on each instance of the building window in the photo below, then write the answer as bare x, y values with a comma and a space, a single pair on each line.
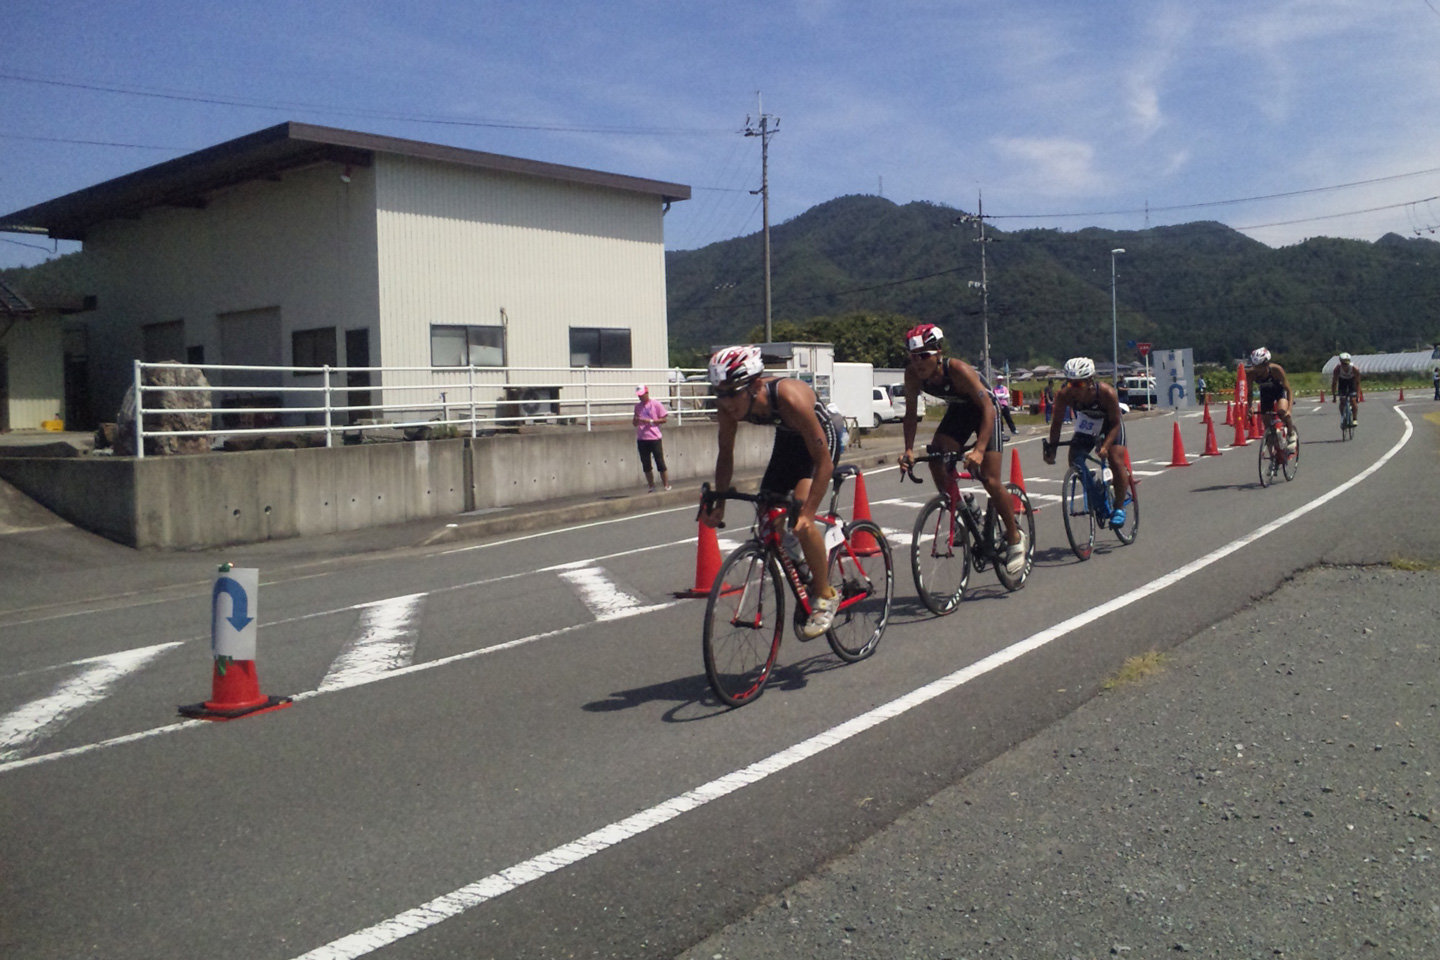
455, 346
599, 347
314, 348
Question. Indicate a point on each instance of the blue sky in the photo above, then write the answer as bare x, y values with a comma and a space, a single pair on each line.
1285, 119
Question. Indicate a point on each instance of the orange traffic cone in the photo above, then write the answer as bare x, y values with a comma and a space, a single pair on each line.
1241, 440
1229, 414
234, 693
1206, 417
1177, 454
1017, 477
1211, 450
863, 543
1402, 392
1322, 396
707, 563
1257, 426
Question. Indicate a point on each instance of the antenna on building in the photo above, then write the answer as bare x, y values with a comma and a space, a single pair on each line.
768, 127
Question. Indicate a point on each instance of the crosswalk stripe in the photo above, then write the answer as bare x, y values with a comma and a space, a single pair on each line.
385, 642
603, 597
23, 727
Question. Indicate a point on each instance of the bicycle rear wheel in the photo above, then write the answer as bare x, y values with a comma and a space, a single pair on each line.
1347, 419
1290, 459
863, 576
940, 557
1025, 519
1128, 531
744, 620
1079, 519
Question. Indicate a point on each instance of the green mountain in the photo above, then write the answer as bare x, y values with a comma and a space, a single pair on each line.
862, 265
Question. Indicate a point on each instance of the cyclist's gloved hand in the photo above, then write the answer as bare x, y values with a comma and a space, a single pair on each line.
1047, 450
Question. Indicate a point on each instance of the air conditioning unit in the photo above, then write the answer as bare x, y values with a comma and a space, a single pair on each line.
529, 403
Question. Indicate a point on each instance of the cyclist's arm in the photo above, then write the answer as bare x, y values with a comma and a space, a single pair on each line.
1057, 415
912, 394
725, 458
1110, 403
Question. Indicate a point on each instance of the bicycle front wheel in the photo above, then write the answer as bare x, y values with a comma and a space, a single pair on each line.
1079, 518
1025, 519
744, 620
1269, 460
860, 571
940, 557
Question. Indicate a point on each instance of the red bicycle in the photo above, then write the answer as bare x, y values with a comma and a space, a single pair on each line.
745, 613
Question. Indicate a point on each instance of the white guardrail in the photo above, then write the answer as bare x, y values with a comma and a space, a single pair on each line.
427, 401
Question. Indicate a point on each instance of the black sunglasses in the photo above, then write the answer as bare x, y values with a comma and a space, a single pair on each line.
725, 393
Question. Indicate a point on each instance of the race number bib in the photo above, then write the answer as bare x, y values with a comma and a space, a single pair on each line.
834, 536
1088, 425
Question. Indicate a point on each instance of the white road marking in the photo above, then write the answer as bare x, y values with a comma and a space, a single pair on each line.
22, 727
604, 598
471, 895
385, 642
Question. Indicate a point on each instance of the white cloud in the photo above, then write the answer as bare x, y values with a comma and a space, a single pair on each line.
1057, 165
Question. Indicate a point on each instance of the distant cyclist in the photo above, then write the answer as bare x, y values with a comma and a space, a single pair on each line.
970, 411
1269, 378
1099, 426
807, 445
1345, 381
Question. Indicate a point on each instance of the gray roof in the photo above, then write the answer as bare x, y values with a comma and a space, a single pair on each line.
189, 180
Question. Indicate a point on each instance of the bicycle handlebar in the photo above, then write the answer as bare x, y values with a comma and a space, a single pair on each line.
946, 457
709, 497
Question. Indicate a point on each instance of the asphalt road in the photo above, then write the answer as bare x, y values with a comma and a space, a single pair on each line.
506, 747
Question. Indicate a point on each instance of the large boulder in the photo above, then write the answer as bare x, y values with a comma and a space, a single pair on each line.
165, 411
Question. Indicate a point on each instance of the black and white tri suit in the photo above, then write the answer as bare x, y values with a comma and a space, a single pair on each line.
1092, 424
1347, 384
790, 458
963, 418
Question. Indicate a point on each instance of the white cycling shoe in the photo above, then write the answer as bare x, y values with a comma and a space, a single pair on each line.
822, 615
1015, 556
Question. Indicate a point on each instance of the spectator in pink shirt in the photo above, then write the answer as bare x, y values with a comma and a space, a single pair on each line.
649, 414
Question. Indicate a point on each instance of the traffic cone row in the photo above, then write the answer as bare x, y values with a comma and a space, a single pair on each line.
1241, 440
1211, 449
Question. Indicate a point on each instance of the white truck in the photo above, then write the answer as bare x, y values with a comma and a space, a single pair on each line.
852, 392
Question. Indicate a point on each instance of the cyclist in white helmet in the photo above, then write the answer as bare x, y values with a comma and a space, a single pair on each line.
970, 410
1346, 380
1099, 425
807, 444
1274, 387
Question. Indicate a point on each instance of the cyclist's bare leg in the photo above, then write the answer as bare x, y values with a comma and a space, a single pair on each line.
942, 443
1004, 505
1118, 474
812, 543
1282, 407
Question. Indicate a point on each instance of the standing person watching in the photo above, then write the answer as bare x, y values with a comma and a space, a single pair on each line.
807, 444
1098, 425
1345, 379
649, 414
970, 410
1435, 378
1002, 398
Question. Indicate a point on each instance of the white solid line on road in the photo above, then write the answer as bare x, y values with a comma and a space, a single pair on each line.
20, 728
385, 642
452, 904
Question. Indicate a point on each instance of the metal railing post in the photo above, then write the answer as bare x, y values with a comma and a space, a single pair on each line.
139, 413
474, 426
586, 375
329, 426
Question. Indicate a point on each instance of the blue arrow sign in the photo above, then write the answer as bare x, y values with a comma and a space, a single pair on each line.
239, 604
1173, 388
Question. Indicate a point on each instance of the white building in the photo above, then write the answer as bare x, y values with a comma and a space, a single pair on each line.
301, 245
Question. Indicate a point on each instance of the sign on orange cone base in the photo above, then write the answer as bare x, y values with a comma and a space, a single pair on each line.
1211, 449
1177, 450
707, 563
862, 543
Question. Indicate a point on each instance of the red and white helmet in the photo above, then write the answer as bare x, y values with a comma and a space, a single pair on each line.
736, 366
1258, 356
926, 336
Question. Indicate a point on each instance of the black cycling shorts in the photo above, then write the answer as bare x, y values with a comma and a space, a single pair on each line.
790, 459
1269, 393
963, 420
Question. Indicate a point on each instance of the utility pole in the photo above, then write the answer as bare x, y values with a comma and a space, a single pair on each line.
984, 285
766, 130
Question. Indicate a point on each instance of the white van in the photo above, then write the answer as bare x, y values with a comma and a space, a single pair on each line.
1138, 391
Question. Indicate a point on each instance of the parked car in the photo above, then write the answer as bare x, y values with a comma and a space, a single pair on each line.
885, 408
1139, 391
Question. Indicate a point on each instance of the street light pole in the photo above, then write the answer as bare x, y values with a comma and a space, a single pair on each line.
1114, 324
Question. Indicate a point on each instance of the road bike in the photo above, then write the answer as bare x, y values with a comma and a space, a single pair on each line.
951, 534
745, 612
1277, 458
1087, 500
1347, 416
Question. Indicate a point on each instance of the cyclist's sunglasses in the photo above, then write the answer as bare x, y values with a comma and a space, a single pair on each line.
725, 393
924, 354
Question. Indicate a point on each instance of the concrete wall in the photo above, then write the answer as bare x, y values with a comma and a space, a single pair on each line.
188, 502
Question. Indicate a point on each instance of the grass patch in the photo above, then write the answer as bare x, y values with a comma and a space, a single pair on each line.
1405, 563
1137, 668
